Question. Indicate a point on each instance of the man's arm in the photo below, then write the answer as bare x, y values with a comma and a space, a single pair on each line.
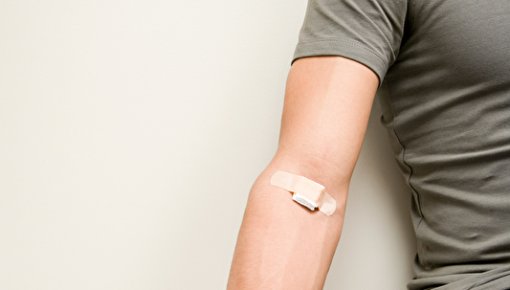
281, 244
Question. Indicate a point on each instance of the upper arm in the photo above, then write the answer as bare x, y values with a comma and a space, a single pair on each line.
344, 50
326, 110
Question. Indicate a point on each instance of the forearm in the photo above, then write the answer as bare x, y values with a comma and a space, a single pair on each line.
282, 245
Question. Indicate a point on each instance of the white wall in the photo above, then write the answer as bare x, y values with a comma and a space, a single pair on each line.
130, 134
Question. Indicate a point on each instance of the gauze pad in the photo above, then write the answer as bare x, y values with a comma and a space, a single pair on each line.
306, 192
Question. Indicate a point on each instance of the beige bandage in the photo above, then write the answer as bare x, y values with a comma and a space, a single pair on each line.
305, 191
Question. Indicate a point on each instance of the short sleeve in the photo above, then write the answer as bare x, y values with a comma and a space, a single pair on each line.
367, 31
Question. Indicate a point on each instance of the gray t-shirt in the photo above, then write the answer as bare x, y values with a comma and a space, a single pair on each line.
445, 99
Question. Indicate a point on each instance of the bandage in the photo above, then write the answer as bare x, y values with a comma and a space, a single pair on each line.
306, 192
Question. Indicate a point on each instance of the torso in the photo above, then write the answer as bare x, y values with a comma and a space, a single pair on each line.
446, 105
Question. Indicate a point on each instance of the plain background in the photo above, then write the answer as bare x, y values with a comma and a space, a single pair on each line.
131, 132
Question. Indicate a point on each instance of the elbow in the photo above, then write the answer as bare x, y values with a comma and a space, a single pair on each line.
319, 168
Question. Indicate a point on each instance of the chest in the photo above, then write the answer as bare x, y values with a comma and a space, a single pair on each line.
464, 41
449, 89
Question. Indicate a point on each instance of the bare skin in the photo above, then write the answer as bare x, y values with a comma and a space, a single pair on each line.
282, 245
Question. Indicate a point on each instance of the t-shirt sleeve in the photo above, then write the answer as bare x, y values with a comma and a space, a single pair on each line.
367, 31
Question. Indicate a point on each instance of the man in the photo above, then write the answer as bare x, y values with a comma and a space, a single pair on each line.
441, 69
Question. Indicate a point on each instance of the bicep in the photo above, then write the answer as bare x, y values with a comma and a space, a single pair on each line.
327, 105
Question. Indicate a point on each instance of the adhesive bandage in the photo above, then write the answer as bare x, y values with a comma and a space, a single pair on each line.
306, 192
